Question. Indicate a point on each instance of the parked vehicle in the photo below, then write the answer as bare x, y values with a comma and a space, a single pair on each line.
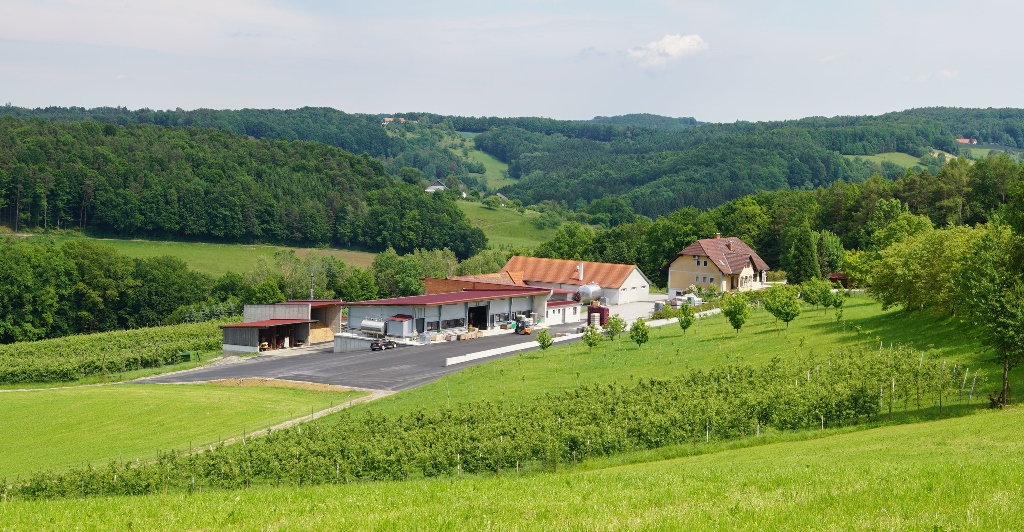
382, 344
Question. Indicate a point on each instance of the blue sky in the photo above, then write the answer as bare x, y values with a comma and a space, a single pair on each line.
716, 61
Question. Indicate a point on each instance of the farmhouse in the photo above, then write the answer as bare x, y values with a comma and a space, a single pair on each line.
618, 283
281, 326
727, 264
435, 186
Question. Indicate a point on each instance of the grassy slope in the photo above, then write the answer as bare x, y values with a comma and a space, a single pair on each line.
963, 473
506, 226
902, 159
218, 259
63, 427
710, 342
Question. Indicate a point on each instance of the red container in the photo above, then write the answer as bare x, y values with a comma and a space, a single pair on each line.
603, 312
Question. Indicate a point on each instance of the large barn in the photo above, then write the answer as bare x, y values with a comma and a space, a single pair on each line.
618, 283
282, 326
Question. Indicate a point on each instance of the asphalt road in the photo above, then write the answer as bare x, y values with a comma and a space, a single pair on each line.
392, 369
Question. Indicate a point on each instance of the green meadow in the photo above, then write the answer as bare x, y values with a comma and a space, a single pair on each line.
952, 474
903, 159
57, 428
218, 259
506, 227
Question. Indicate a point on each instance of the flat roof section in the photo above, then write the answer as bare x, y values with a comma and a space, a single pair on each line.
264, 324
447, 299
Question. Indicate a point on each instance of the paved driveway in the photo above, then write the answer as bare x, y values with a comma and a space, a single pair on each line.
397, 369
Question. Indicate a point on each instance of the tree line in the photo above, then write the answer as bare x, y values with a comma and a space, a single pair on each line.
190, 183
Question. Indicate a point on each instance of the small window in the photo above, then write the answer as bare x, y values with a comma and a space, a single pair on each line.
712, 280
705, 279
696, 279
695, 256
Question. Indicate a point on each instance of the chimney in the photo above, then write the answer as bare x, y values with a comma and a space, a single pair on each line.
581, 271
729, 245
718, 235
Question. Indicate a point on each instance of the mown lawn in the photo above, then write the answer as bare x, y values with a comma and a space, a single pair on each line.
64, 427
218, 259
952, 474
710, 342
506, 226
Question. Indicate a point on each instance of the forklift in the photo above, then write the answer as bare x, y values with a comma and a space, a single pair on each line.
524, 325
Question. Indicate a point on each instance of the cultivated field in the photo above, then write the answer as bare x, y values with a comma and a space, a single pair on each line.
506, 226
58, 428
962, 473
709, 343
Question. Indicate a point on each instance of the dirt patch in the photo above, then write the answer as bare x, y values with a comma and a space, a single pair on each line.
279, 383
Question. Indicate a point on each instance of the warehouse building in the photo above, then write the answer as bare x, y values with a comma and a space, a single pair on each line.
410, 316
282, 326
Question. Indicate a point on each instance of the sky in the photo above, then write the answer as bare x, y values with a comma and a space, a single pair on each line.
715, 61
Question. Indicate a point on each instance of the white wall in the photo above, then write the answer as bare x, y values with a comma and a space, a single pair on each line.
634, 288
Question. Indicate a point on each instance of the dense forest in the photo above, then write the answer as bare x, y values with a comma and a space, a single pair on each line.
194, 183
1004, 127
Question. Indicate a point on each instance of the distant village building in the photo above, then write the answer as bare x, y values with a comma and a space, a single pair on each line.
387, 120
967, 141
727, 264
435, 186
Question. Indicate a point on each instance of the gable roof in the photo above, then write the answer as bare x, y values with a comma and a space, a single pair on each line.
729, 261
567, 271
501, 277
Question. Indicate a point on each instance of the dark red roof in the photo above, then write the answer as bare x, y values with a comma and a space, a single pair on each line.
448, 298
314, 303
265, 324
729, 261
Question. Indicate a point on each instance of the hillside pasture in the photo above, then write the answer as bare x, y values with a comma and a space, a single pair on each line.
952, 474
218, 259
903, 159
58, 428
506, 227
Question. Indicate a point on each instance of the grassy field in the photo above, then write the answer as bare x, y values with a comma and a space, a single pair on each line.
902, 159
496, 171
64, 427
218, 259
506, 226
952, 474
710, 342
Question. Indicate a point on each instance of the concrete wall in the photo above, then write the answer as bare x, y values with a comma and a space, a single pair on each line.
329, 316
296, 311
347, 344
240, 336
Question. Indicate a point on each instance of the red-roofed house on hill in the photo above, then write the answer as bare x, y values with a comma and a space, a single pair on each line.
726, 263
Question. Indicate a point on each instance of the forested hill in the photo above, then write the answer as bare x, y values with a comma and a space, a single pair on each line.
704, 166
1004, 126
647, 120
208, 184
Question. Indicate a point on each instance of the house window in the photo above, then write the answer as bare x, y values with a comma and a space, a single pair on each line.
574, 310
705, 263
712, 279
705, 279
696, 279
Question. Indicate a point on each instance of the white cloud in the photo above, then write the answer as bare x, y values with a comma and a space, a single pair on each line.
668, 48
828, 59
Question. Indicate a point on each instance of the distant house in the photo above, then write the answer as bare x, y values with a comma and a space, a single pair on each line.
727, 264
503, 199
387, 120
435, 186
967, 141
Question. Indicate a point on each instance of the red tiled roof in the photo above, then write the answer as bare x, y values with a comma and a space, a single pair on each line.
496, 278
448, 298
265, 324
729, 261
567, 271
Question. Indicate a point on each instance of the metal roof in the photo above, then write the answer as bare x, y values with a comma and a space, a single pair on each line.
314, 303
264, 324
448, 298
